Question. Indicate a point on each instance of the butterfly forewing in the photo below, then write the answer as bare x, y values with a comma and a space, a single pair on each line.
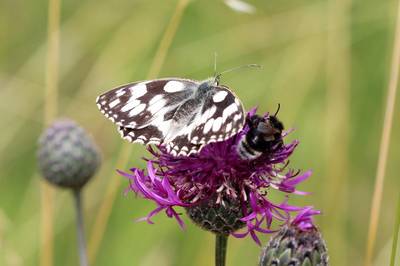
182, 114
135, 105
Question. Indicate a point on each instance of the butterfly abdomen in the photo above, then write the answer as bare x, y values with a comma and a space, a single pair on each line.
185, 112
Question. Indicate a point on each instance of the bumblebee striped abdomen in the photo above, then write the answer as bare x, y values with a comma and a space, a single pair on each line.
246, 152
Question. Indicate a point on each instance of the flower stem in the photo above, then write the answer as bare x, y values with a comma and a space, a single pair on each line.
79, 228
395, 234
50, 111
221, 242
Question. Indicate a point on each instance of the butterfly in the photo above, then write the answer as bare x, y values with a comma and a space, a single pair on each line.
183, 115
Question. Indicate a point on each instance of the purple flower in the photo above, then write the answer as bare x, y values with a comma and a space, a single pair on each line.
304, 219
218, 174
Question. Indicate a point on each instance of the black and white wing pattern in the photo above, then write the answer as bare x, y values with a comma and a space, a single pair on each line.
184, 115
220, 117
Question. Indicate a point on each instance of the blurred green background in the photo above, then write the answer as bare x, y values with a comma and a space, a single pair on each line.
326, 62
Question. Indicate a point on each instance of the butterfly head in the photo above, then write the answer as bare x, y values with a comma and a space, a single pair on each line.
213, 81
216, 79
206, 86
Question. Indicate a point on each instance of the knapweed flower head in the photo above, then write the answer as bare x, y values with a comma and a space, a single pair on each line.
67, 155
297, 244
221, 191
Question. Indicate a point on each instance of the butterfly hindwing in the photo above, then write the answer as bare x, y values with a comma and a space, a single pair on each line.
221, 116
146, 135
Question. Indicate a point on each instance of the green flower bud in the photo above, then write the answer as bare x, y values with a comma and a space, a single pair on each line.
292, 246
217, 217
67, 156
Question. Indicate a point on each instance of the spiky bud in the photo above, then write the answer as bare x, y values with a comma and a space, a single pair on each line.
292, 246
67, 155
220, 218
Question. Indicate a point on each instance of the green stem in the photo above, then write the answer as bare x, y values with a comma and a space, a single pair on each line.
395, 234
79, 228
221, 242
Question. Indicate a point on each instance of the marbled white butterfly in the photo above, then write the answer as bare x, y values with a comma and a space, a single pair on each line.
182, 114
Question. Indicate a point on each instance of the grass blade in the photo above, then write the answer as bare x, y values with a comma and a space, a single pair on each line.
395, 234
384, 146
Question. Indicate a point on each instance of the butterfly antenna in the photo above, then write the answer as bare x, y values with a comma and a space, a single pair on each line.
217, 77
277, 110
215, 64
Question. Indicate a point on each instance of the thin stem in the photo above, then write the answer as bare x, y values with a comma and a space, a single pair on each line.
384, 146
46, 224
80, 228
338, 87
395, 234
221, 241
50, 110
106, 205
52, 60
124, 155
167, 38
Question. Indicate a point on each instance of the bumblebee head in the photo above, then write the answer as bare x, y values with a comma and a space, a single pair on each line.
265, 132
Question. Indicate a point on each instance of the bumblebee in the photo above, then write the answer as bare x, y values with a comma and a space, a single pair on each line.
264, 136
